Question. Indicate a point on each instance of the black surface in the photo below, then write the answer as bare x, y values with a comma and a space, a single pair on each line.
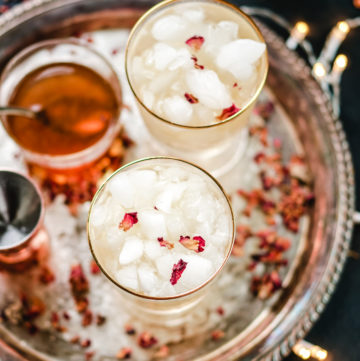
338, 329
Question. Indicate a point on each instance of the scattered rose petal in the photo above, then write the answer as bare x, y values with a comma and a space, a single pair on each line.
124, 353
261, 132
196, 243
146, 340
94, 268
164, 243
220, 311
87, 318
128, 221
243, 232
228, 112
264, 109
129, 329
217, 335
79, 283
75, 339
55, 323
163, 351
89, 355
265, 286
100, 320
191, 99
46, 275
195, 42
66, 316
85, 343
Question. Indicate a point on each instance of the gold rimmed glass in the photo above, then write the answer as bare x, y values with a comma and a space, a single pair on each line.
169, 310
214, 146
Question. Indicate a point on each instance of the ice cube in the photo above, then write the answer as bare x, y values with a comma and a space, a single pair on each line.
152, 223
98, 215
183, 60
198, 270
152, 249
220, 34
194, 14
165, 264
147, 278
239, 56
207, 87
143, 178
168, 27
147, 97
122, 190
132, 250
162, 82
163, 55
127, 277
177, 109
204, 114
114, 237
176, 226
164, 200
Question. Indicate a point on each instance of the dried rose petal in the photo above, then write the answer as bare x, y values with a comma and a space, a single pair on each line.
243, 232
89, 355
265, 286
177, 271
217, 335
146, 340
124, 353
46, 275
196, 64
264, 109
191, 99
66, 316
94, 268
163, 351
220, 311
87, 318
55, 322
79, 283
85, 343
164, 243
82, 303
195, 42
100, 320
228, 112
128, 221
196, 243
129, 329
262, 132
75, 339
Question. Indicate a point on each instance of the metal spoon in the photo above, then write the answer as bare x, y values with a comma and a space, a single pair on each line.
83, 128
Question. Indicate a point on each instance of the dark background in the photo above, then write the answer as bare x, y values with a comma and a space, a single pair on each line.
338, 329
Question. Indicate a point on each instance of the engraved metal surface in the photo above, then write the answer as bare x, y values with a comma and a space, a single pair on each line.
322, 138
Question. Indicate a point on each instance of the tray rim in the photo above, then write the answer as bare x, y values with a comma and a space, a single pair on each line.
346, 195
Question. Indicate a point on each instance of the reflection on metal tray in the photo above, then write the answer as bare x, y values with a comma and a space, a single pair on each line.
255, 330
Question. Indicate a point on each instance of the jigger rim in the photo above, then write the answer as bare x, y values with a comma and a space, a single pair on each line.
23, 242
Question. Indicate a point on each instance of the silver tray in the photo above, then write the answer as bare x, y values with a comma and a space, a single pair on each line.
306, 123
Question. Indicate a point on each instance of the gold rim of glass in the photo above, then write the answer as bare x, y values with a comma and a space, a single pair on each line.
165, 3
117, 92
181, 295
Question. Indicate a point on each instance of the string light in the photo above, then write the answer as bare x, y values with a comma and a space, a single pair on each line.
319, 70
297, 34
305, 350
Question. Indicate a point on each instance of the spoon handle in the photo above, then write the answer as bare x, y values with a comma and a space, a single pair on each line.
23, 112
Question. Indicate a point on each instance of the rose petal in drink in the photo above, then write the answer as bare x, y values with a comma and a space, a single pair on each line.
127, 277
170, 27
177, 271
208, 88
177, 109
163, 55
198, 271
132, 250
238, 55
122, 190
152, 224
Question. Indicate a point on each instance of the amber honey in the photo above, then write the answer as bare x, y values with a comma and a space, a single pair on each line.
78, 103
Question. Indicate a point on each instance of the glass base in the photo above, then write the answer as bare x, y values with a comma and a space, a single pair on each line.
218, 161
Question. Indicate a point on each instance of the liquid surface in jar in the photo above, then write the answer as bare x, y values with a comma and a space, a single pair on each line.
79, 106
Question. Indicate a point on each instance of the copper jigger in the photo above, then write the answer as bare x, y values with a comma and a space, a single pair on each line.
23, 239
